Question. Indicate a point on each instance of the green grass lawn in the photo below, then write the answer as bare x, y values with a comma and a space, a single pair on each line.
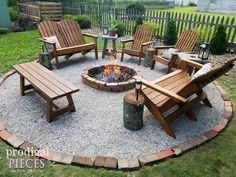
214, 159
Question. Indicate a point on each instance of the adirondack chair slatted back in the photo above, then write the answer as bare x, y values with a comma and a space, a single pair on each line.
214, 74
200, 82
72, 32
193, 86
143, 34
49, 28
187, 41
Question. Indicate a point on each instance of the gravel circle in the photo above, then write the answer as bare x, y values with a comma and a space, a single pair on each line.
96, 128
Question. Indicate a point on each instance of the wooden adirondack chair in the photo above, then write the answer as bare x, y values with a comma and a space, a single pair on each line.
175, 88
70, 37
141, 41
185, 43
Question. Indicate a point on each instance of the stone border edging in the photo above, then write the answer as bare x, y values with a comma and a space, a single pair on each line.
122, 164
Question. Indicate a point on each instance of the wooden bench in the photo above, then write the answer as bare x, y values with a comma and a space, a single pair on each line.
48, 85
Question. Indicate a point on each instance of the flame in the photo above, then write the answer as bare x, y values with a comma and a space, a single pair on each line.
109, 69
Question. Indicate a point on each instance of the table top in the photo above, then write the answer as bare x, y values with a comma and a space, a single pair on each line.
192, 57
109, 37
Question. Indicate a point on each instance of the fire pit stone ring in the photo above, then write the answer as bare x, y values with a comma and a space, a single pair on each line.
112, 78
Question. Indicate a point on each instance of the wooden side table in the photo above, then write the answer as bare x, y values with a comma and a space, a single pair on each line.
105, 50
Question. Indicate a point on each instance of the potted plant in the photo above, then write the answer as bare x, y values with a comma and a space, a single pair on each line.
113, 30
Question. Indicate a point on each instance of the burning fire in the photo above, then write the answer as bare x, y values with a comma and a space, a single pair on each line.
109, 69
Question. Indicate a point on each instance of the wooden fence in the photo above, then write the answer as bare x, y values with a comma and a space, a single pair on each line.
204, 23
39, 11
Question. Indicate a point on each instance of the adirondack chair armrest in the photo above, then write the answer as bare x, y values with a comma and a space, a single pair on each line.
90, 35
162, 90
188, 63
53, 44
164, 47
95, 37
127, 40
47, 42
147, 43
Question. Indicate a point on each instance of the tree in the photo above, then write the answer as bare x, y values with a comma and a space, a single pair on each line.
219, 42
170, 36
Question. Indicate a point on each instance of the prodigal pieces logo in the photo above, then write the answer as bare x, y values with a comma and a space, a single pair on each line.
24, 159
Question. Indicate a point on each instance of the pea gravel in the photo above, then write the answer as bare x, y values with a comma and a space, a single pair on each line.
96, 128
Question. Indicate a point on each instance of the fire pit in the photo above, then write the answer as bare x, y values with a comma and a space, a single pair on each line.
113, 78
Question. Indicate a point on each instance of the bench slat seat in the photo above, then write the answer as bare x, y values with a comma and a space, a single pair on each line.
47, 84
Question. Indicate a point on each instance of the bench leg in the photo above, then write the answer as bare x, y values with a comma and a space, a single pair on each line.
49, 111
153, 64
22, 86
71, 103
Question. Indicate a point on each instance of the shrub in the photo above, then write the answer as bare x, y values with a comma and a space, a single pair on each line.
139, 21
192, 4
11, 3
155, 26
135, 8
219, 42
120, 29
4, 30
83, 20
68, 16
13, 13
203, 33
170, 36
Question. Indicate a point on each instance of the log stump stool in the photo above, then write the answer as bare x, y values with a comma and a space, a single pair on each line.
148, 57
133, 112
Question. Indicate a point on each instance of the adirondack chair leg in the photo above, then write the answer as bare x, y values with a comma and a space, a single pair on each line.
68, 56
191, 116
57, 62
206, 100
169, 69
122, 57
71, 103
139, 60
159, 117
96, 53
153, 64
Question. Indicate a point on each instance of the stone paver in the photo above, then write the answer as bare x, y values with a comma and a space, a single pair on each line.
29, 147
62, 158
218, 128
148, 159
15, 141
165, 153
45, 154
83, 161
99, 161
177, 150
199, 140
5, 134
210, 134
128, 164
111, 163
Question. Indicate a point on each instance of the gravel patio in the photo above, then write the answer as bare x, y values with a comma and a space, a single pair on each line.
96, 128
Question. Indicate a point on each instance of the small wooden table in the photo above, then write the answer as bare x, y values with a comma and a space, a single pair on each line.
105, 49
192, 57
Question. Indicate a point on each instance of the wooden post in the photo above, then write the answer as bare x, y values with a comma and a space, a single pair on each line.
148, 57
133, 112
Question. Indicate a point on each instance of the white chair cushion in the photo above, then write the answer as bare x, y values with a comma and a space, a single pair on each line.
168, 53
52, 39
205, 68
